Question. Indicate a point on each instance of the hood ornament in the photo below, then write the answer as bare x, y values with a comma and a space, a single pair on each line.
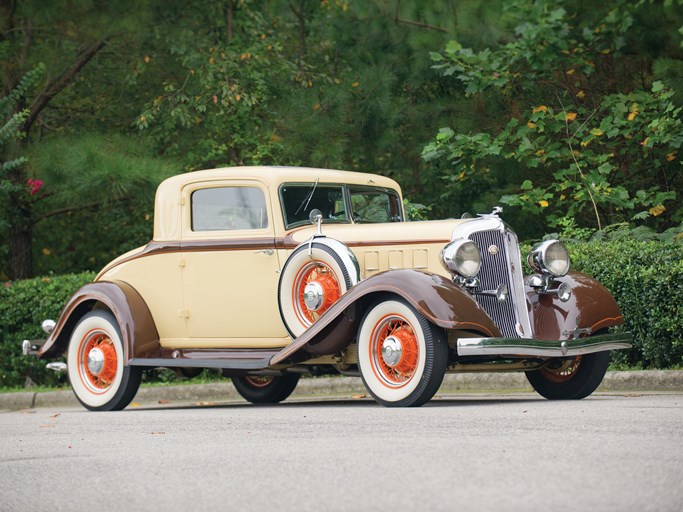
493, 214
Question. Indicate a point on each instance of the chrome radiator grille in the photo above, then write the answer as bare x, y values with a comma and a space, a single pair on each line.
500, 264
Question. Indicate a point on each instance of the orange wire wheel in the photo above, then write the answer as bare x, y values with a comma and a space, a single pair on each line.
97, 361
315, 289
564, 373
402, 356
258, 381
394, 350
570, 379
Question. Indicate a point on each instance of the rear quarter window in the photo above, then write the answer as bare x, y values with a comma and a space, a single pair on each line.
228, 208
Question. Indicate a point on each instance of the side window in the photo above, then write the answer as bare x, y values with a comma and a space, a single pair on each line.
374, 205
228, 208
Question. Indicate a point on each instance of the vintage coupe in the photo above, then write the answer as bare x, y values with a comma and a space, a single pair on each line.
270, 272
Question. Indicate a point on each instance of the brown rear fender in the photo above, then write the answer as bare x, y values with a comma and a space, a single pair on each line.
140, 336
435, 297
591, 306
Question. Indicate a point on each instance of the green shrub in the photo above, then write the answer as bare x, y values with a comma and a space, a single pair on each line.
646, 279
23, 307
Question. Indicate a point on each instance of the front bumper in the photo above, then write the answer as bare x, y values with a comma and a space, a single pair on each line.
524, 347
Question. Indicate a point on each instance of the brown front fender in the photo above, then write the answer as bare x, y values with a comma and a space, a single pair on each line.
139, 332
434, 296
591, 306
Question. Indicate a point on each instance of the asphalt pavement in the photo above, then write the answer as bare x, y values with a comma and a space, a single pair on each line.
350, 387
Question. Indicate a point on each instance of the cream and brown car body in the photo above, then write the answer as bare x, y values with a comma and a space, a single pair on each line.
209, 290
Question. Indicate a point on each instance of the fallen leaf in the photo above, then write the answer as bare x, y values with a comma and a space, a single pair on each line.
164, 401
135, 404
356, 397
157, 433
205, 403
55, 415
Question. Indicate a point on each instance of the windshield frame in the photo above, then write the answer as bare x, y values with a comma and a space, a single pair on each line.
345, 188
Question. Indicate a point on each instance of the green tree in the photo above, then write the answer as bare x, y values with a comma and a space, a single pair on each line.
73, 51
593, 138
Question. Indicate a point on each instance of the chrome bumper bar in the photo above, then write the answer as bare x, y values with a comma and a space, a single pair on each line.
31, 347
525, 347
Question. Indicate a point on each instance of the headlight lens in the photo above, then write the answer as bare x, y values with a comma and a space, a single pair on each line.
550, 257
461, 257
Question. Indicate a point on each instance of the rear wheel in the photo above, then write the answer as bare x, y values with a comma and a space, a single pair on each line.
259, 389
571, 379
95, 361
401, 355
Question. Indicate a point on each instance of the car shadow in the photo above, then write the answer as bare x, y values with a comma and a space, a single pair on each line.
344, 402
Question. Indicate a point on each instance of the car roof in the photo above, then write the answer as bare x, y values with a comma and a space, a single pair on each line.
275, 175
170, 190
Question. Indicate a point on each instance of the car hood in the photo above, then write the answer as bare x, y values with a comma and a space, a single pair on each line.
433, 231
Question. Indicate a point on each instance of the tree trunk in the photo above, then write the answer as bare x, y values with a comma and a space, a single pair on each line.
20, 246
230, 8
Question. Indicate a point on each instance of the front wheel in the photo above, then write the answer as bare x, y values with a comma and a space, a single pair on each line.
95, 361
259, 389
571, 379
401, 355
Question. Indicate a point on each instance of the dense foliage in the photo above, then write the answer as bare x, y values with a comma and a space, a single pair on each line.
646, 279
563, 108
593, 134
23, 307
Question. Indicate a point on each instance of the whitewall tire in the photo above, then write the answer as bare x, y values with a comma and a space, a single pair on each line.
96, 364
401, 355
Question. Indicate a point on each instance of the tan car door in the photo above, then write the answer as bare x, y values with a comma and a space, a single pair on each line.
230, 270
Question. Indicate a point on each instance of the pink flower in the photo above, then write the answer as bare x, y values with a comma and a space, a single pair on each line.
34, 185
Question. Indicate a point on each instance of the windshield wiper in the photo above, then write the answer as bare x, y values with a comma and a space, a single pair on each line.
307, 199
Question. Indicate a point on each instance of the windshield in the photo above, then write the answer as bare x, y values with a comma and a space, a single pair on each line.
338, 203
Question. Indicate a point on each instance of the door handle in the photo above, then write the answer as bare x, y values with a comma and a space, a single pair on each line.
269, 252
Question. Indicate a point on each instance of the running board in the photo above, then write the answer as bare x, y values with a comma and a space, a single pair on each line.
237, 359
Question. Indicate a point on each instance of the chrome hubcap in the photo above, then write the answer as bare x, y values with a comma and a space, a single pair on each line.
314, 296
392, 351
95, 361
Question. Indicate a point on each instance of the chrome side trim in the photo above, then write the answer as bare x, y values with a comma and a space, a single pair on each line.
543, 348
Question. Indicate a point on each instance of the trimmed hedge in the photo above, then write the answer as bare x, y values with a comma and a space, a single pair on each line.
23, 307
646, 278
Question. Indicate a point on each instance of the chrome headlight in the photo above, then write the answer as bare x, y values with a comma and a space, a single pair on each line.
461, 257
550, 257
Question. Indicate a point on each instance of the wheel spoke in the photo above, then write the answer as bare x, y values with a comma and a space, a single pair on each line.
100, 344
400, 330
323, 275
564, 373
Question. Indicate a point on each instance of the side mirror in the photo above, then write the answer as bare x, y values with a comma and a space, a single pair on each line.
313, 216
316, 217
